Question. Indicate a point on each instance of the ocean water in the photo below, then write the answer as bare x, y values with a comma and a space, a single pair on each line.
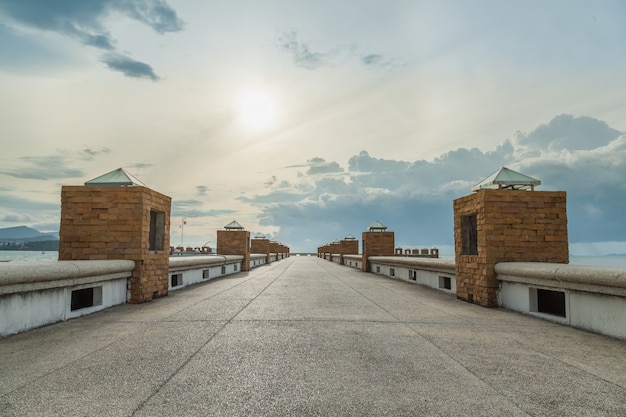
35, 256
28, 256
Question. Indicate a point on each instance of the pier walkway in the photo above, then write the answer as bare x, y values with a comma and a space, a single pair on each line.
307, 337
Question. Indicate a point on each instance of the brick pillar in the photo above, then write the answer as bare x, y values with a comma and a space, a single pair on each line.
235, 242
261, 246
492, 226
348, 247
377, 244
119, 222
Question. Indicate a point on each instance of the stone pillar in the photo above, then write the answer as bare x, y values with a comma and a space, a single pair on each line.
348, 247
235, 242
492, 226
261, 245
377, 244
119, 222
275, 248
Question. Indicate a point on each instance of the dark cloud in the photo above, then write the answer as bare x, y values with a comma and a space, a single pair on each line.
129, 67
569, 132
43, 168
83, 21
414, 199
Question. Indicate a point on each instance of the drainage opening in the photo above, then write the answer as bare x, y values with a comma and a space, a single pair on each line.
551, 302
86, 297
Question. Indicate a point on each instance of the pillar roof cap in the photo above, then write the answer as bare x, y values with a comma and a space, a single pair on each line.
377, 226
117, 177
507, 178
349, 237
259, 236
234, 225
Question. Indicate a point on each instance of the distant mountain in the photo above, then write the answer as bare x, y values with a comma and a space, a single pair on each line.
25, 234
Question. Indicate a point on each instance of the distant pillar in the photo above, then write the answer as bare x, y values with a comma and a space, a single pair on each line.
377, 242
115, 221
348, 246
234, 240
492, 226
261, 245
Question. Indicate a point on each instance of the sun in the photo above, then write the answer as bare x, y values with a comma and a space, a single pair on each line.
256, 110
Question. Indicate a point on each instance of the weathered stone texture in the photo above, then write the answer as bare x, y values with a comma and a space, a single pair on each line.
261, 246
235, 242
512, 226
108, 222
377, 244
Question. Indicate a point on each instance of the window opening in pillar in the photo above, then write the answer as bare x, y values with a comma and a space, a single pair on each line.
469, 235
157, 230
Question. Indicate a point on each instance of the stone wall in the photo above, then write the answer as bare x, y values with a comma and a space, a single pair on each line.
508, 226
115, 222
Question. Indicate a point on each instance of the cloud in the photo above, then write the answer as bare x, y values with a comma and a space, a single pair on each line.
318, 165
568, 132
129, 67
414, 198
85, 22
43, 168
16, 218
302, 55
88, 154
202, 190
195, 208
377, 61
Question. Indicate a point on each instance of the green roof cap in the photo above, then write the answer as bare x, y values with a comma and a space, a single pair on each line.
377, 226
233, 225
507, 178
116, 177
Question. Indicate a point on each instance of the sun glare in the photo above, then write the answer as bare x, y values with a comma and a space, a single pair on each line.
256, 110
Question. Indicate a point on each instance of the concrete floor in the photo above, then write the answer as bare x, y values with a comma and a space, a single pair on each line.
306, 337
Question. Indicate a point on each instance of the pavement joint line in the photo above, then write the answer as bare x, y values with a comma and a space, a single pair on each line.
569, 364
438, 348
185, 362
65, 365
218, 293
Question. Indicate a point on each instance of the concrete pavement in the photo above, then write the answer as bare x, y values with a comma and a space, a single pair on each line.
306, 337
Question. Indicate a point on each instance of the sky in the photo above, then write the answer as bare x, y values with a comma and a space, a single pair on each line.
309, 120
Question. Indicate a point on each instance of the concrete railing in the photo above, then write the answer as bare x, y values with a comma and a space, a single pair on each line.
431, 272
586, 297
188, 270
35, 294
38, 293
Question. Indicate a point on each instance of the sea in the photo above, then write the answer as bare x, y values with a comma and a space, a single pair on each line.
37, 256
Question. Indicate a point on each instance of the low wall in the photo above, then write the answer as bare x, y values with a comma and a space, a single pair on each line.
355, 261
587, 297
431, 272
35, 294
185, 271
38, 293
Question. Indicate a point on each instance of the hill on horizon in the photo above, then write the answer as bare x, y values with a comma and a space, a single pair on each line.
25, 233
